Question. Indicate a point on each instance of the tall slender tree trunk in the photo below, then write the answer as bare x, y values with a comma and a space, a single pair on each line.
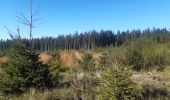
31, 25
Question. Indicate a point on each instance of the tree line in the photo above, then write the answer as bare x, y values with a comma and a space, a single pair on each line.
91, 39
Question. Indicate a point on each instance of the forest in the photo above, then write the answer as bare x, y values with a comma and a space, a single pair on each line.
91, 39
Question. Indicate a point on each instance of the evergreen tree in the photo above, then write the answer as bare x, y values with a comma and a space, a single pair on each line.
92, 39
116, 84
134, 56
24, 71
56, 67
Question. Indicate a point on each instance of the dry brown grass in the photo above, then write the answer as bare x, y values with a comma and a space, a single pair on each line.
3, 59
78, 55
45, 57
68, 58
1, 70
96, 56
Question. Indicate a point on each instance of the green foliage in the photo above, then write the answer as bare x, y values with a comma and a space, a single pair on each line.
93, 39
134, 56
24, 71
154, 92
146, 54
77, 84
104, 61
55, 68
156, 56
85, 88
32, 94
1, 53
55, 54
87, 63
117, 55
116, 84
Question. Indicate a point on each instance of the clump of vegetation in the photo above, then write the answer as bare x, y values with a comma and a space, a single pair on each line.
155, 56
148, 56
24, 71
33, 94
134, 56
154, 92
104, 61
116, 84
87, 63
55, 68
85, 87
1, 53
117, 55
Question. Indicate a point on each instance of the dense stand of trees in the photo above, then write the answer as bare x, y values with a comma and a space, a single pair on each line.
91, 39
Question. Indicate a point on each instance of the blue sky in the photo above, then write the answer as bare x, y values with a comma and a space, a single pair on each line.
69, 16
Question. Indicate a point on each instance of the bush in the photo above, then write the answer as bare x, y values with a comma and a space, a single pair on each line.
117, 55
116, 84
104, 61
32, 94
134, 56
87, 63
147, 56
1, 53
155, 56
55, 68
85, 88
24, 71
154, 92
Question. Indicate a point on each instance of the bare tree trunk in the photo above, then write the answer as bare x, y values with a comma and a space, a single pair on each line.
29, 21
30, 25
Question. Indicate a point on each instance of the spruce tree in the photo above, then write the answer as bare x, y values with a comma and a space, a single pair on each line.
116, 84
134, 57
24, 71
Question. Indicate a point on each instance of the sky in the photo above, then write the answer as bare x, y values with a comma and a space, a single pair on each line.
68, 16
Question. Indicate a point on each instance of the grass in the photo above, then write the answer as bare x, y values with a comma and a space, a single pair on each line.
32, 95
2, 59
153, 77
68, 58
45, 57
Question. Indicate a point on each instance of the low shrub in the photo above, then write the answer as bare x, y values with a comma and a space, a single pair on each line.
87, 63
85, 88
104, 61
117, 55
134, 57
155, 56
56, 68
154, 92
148, 56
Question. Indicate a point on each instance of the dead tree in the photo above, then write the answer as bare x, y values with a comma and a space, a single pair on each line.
29, 21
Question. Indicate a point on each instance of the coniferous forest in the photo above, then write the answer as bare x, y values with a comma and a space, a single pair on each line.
92, 39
